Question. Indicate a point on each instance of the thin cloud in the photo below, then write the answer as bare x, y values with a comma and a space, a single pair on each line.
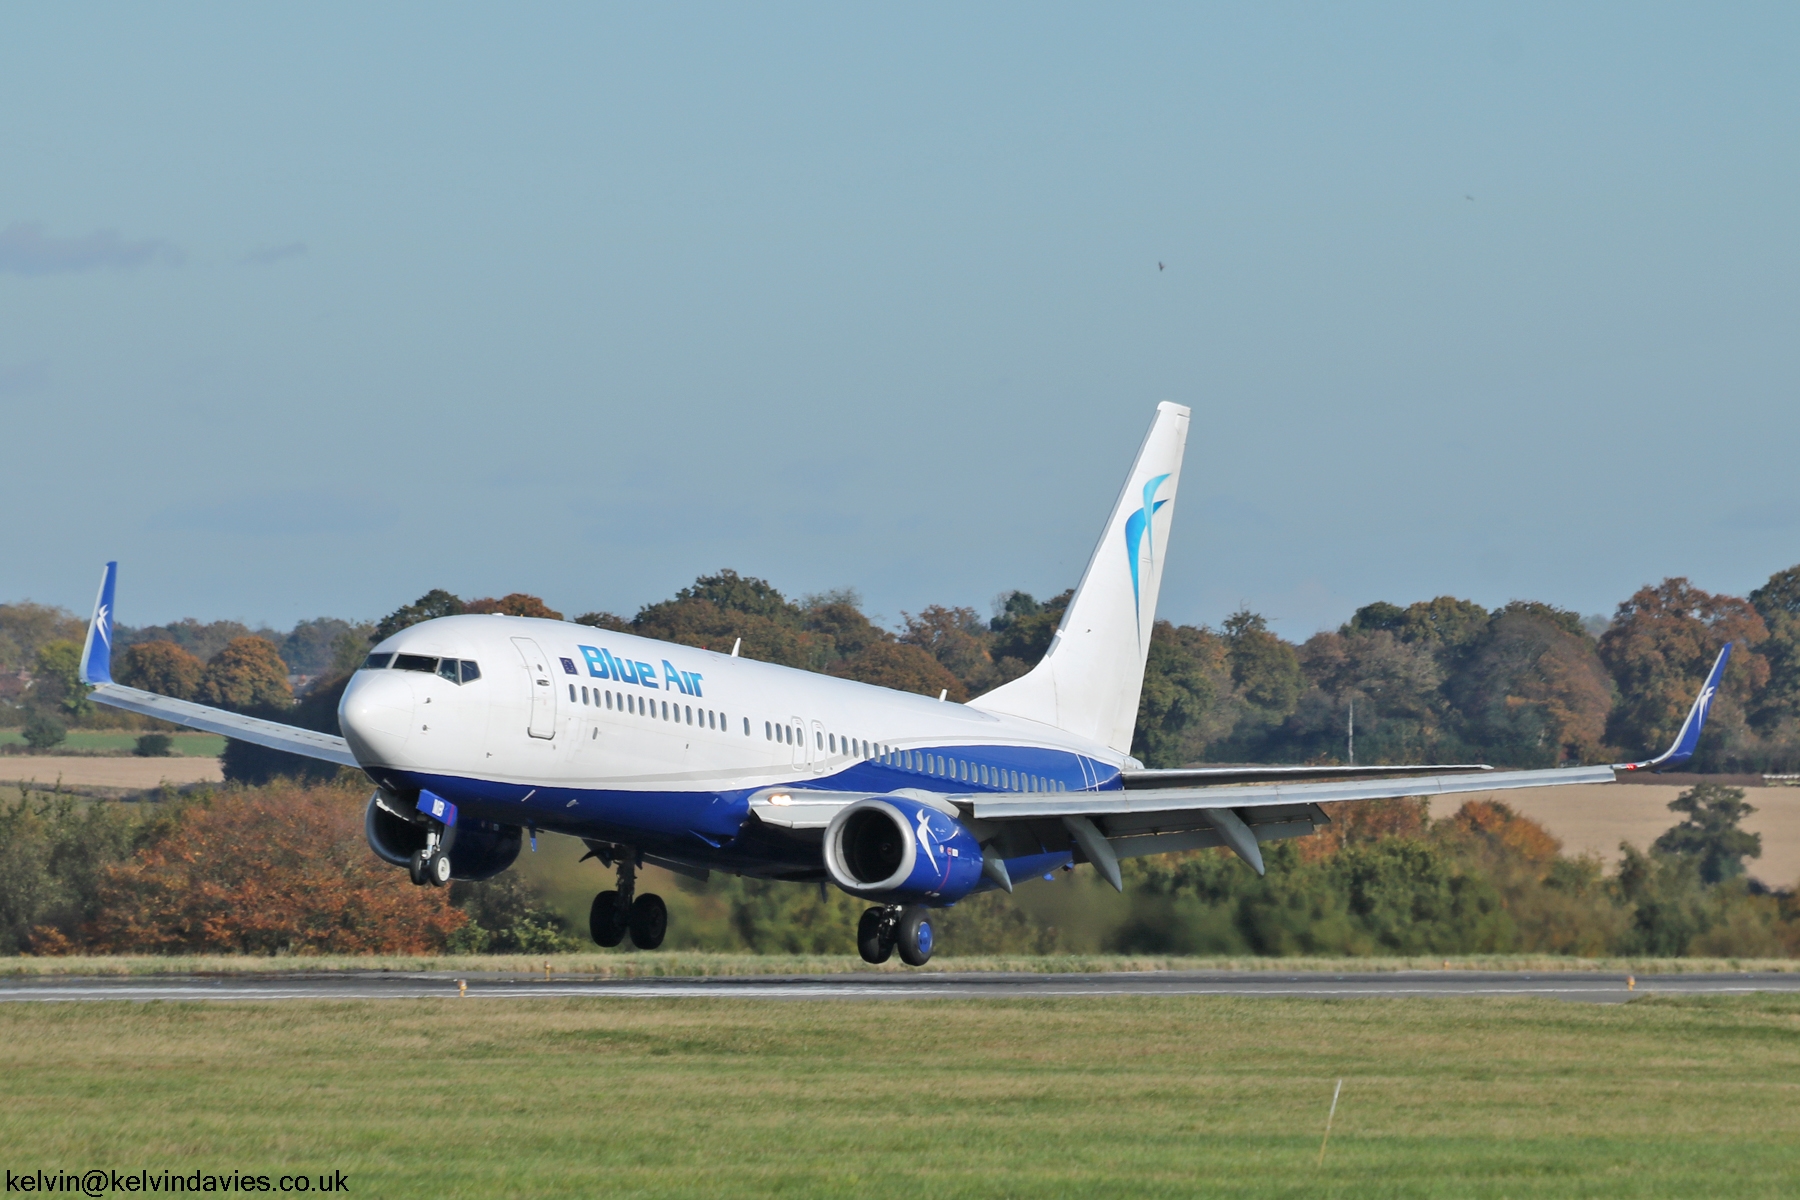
25, 249
274, 254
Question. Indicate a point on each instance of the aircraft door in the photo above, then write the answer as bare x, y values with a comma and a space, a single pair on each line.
816, 747
802, 748
543, 688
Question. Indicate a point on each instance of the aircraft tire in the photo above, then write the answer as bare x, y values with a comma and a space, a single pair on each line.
605, 922
915, 936
649, 921
870, 942
415, 870
437, 868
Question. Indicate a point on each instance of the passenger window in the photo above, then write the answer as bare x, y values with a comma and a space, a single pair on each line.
690, 713
377, 662
832, 740
571, 693
584, 698
746, 726
470, 671
415, 662
819, 738
768, 732
665, 705
609, 699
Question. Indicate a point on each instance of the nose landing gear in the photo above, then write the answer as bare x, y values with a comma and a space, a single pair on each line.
432, 864
616, 913
906, 928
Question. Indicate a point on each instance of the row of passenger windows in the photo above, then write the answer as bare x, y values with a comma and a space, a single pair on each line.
649, 706
456, 670
947, 767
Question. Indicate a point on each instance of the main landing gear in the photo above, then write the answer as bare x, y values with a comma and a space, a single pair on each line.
902, 927
614, 914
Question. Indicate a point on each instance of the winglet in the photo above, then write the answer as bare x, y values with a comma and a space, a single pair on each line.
96, 655
1689, 737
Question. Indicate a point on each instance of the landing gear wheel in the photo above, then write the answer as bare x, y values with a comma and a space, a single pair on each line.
872, 941
415, 869
605, 920
914, 937
649, 921
437, 868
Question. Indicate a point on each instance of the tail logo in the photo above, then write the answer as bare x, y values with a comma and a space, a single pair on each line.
1140, 540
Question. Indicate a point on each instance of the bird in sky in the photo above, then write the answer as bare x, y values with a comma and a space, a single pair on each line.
1159, 266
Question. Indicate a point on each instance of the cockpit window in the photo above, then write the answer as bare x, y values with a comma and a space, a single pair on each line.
415, 662
377, 662
470, 672
447, 668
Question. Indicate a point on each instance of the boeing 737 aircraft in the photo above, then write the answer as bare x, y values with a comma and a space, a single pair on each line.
475, 729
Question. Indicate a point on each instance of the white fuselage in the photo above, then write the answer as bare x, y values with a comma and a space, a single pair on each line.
604, 734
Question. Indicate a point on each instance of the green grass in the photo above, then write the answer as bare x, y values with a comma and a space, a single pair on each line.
625, 964
113, 741
1140, 1096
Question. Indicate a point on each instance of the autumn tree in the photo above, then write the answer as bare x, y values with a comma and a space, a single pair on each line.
901, 667
247, 676
1534, 691
514, 604
24, 627
160, 667
1777, 602
959, 639
1659, 648
280, 870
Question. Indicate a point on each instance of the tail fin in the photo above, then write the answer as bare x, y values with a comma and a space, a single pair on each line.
96, 655
1088, 683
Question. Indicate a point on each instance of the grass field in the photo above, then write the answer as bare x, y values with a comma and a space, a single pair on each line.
1142, 1096
115, 741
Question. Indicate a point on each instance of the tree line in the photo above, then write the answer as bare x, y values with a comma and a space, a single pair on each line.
1526, 685
282, 869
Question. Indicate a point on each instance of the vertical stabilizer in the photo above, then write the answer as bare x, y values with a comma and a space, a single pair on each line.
1088, 683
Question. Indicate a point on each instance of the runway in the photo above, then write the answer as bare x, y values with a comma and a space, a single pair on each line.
1571, 985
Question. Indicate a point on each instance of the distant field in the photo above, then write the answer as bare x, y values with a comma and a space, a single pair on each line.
1122, 1097
193, 745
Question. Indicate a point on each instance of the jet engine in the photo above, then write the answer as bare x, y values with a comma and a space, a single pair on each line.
479, 850
900, 851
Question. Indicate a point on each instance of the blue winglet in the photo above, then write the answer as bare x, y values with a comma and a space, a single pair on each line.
1689, 737
96, 656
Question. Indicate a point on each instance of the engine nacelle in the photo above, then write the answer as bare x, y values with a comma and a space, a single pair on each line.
478, 850
901, 851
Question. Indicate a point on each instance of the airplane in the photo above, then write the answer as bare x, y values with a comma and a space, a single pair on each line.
477, 729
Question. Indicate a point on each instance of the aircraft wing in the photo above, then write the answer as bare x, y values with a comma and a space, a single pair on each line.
306, 742
96, 671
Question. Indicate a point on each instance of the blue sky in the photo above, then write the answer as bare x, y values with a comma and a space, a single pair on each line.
307, 311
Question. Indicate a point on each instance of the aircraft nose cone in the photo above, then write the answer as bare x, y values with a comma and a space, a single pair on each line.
376, 715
